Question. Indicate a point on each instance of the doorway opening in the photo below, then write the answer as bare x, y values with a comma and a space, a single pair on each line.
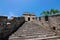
46, 18
28, 18
54, 28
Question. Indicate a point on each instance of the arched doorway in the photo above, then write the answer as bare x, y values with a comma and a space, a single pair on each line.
28, 18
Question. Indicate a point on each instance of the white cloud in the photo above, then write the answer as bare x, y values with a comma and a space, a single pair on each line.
11, 14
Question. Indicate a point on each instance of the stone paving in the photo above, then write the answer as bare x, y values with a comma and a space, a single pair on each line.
30, 31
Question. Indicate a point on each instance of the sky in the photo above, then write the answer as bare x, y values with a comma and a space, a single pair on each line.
18, 7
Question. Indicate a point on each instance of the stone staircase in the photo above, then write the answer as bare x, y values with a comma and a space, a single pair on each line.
31, 31
45, 25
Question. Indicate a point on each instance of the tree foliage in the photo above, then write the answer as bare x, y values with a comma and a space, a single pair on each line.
50, 12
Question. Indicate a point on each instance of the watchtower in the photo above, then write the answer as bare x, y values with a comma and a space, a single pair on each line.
29, 16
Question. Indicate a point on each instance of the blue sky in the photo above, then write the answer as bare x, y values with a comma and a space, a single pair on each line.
17, 7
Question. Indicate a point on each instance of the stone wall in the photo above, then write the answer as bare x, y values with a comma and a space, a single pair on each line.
5, 32
31, 18
3, 20
44, 23
54, 22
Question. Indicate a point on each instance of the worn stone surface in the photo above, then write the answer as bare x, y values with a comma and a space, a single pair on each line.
54, 21
30, 30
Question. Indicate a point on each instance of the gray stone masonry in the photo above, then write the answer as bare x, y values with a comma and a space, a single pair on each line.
30, 30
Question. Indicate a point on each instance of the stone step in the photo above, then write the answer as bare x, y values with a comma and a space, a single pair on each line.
32, 30
35, 38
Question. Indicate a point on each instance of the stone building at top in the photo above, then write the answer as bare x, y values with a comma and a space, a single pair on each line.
29, 16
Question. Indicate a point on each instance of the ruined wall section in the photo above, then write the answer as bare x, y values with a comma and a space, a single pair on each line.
7, 27
15, 24
45, 24
54, 22
3, 19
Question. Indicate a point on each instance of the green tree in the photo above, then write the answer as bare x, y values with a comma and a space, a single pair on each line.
50, 12
46, 13
54, 11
